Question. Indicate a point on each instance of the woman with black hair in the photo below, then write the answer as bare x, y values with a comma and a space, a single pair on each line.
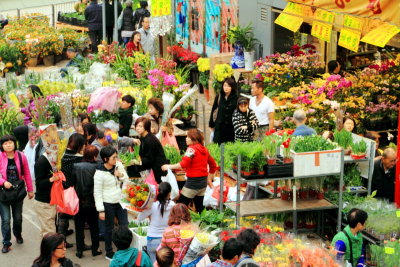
72, 155
90, 132
52, 252
108, 179
158, 214
251, 240
14, 170
221, 112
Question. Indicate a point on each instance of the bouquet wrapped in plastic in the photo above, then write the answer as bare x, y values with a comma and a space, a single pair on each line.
104, 98
201, 244
136, 196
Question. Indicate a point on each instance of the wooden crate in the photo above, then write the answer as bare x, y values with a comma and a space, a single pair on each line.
222, 58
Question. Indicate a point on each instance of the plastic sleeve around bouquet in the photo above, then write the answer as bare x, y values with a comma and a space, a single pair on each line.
66, 112
137, 197
201, 244
48, 134
104, 98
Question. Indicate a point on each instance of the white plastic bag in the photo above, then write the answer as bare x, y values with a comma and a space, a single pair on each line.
171, 179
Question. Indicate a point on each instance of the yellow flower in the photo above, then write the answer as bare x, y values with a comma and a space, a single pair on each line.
222, 71
203, 64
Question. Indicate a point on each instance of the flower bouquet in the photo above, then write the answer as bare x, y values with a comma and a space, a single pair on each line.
201, 244
137, 197
131, 157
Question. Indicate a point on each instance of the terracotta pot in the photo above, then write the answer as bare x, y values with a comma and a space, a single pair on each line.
271, 161
287, 160
32, 62
310, 226
320, 195
245, 173
207, 94
356, 157
284, 195
303, 194
261, 172
312, 194
253, 171
48, 60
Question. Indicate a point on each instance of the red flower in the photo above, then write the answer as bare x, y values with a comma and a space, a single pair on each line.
270, 132
140, 203
290, 131
295, 47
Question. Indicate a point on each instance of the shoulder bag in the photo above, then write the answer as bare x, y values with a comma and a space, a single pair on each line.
215, 112
18, 190
351, 248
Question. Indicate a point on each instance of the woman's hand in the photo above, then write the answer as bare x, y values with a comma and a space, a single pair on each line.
102, 216
7, 185
210, 180
165, 167
30, 195
54, 178
136, 142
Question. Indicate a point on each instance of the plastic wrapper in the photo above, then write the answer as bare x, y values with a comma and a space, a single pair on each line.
137, 197
48, 134
66, 111
201, 244
104, 98
160, 25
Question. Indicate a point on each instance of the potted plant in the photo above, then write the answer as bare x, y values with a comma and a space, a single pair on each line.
244, 41
285, 190
203, 65
286, 148
303, 191
271, 143
185, 112
259, 159
344, 139
359, 150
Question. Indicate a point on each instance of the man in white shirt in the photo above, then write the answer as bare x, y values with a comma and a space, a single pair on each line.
263, 107
147, 40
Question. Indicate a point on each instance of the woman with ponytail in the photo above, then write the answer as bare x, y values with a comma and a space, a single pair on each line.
158, 214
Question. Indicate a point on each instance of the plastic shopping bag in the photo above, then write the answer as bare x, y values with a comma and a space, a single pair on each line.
150, 179
216, 192
71, 202
57, 191
171, 179
169, 140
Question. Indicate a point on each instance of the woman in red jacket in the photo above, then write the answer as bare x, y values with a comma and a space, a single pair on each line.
134, 44
200, 168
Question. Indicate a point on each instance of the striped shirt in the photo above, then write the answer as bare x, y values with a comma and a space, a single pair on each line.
172, 239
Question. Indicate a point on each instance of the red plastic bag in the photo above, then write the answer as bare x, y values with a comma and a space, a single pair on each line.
216, 192
57, 190
71, 202
167, 139
150, 179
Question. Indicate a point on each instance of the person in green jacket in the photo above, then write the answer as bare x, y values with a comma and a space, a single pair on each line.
127, 256
348, 243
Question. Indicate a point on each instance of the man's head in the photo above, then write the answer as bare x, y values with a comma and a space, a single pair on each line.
257, 87
71, 53
144, 4
146, 23
389, 158
165, 257
299, 117
128, 3
250, 240
333, 67
232, 251
356, 219
101, 137
127, 101
122, 237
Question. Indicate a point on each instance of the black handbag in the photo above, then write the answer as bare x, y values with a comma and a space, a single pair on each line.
18, 190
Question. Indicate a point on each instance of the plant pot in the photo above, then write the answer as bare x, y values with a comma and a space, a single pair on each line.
303, 194
310, 225
356, 157
207, 94
245, 173
248, 60
287, 160
48, 60
312, 194
271, 161
237, 60
261, 173
320, 195
58, 58
285, 195
234, 167
32, 62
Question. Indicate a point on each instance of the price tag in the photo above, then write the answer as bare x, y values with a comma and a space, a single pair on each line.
322, 31
349, 39
289, 22
352, 22
398, 213
296, 9
325, 15
389, 250
381, 35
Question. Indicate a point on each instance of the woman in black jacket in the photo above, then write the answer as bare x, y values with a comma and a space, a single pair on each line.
127, 22
221, 112
82, 179
151, 150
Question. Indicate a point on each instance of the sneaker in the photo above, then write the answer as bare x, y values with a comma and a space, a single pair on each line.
109, 255
6, 249
19, 239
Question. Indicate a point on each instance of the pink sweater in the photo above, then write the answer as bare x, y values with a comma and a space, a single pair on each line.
27, 174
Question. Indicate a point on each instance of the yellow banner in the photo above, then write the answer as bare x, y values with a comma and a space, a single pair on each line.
381, 35
353, 22
167, 8
325, 16
349, 39
386, 10
322, 31
289, 22
300, 10
156, 8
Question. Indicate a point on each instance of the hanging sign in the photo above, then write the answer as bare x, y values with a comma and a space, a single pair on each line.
352, 22
325, 16
166, 8
300, 10
290, 22
381, 35
322, 31
157, 8
349, 39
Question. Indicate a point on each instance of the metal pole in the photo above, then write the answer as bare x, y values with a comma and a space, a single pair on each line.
396, 178
204, 124
115, 31
221, 180
238, 191
371, 165
103, 13
339, 226
53, 11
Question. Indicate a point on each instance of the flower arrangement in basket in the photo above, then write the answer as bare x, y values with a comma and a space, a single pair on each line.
137, 197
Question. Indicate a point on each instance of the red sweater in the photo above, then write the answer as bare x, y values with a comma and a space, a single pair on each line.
197, 161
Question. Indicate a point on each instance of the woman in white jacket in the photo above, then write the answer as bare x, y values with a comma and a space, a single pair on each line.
107, 193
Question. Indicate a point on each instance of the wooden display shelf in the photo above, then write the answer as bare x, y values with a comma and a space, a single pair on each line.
276, 205
73, 27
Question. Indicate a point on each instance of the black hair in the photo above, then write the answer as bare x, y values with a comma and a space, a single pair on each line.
143, 4
241, 100
165, 257
35, 90
129, 99
6, 138
232, 83
122, 237
146, 123
164, 189
76, 142
100, 134
356, 216
83, 116
250, 240
133, 37
106, 152
21, 133
90, 129
332, 65
353, 120
232, 248
49, 243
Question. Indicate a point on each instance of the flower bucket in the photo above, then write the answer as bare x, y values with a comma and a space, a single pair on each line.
32, 62
356, 157
248, 60
312, 194
271, 161
48, 60
320, 195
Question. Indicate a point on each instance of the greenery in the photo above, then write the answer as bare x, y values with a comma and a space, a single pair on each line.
359, 148
244, 36
186, 111
172, 154
352, 175
135, 224
141, 231
312, 143
343, 138
203, 78
271, 143
211, 219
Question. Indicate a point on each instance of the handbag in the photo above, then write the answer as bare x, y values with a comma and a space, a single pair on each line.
18, 190
120, 21
215, 112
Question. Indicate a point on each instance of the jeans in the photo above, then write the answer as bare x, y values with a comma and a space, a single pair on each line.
89, 215
112, 211
152, 245
5, 213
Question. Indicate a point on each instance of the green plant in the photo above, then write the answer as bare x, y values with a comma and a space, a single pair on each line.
128, 157
352, 175
185, 111
343, 138
172, 154
203, 78
211, 219
244, 36
258, 156
312, 143
135, 224
141, 231
359, 148
271, 144
215, 152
